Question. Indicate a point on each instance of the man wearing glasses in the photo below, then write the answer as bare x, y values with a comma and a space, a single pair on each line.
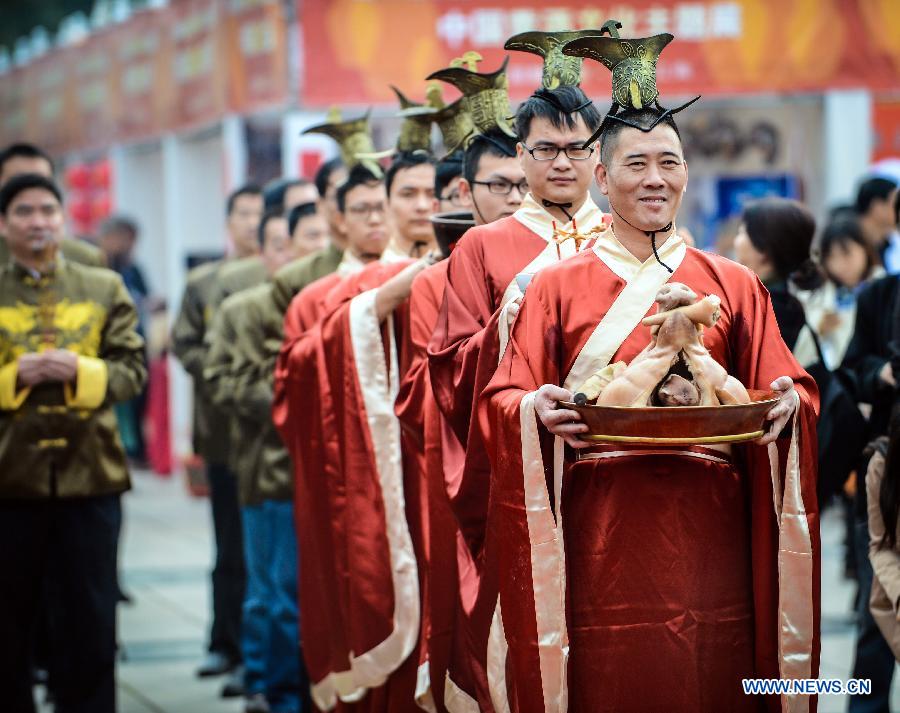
447, 175
329, 393
481, 294
552, 126
493, 183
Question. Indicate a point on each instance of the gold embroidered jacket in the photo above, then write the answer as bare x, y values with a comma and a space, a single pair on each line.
66, 432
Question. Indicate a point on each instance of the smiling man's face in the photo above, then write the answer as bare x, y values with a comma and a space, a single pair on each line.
646, 176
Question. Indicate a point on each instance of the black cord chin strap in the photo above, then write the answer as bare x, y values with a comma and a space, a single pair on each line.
650, 234
562, 206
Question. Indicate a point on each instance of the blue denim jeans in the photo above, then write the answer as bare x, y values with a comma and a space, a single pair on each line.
270, 636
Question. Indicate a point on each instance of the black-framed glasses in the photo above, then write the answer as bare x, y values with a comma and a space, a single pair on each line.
500, 187
549, 153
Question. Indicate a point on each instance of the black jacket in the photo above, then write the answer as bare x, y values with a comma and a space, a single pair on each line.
788, 313
874, 344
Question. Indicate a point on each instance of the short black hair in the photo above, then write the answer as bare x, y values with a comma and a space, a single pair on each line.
546, 103
359, 176
609, 138
268, 216
493, 143
119, 224
446, 170
402, 161
276, 189
250, 189
323, 175
298, 213
23, 182
873, 189
23, 150
843, 231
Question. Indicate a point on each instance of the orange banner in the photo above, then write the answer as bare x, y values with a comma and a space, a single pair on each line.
95, 101
48, 95
197, 69
255, 38
145, 91
353, 49
886, 121
164, 69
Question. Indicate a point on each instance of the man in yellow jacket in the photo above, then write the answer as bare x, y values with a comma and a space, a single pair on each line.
69, 349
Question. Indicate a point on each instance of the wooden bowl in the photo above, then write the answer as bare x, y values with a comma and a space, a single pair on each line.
677, 425
450, 227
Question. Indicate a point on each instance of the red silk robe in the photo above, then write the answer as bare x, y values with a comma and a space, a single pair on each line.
371, 530
302, 412
463, 354
643, 578
435, 451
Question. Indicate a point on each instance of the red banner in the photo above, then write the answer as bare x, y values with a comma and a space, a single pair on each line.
257, 54
95, 101
886, 121
353, 49
197, 69
144, 53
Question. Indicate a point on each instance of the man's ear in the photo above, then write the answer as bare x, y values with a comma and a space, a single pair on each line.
341, 220
465, 193
600, 174
685, 176
520, 152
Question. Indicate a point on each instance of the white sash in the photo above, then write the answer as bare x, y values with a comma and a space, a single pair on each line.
545, 526
379, 383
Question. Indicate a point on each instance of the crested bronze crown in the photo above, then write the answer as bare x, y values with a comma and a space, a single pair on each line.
633, 66
485, 96
560, 70
353, 137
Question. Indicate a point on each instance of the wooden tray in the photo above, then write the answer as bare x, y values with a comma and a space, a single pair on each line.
677, 425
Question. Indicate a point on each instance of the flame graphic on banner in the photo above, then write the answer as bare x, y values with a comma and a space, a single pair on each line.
368, 34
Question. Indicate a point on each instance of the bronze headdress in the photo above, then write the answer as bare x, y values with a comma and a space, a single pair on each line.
353, 138
632, 62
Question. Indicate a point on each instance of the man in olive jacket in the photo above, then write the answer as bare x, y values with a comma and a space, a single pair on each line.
202, 295
69, 349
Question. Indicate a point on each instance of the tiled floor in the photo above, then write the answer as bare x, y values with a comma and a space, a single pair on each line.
166, 559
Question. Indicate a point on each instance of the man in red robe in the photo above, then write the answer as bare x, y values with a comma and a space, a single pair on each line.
647, 578
297, 413
377, 610
489, 167
480, 302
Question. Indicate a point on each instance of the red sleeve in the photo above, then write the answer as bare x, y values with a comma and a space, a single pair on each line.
507, 551
460, 332
424, 307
